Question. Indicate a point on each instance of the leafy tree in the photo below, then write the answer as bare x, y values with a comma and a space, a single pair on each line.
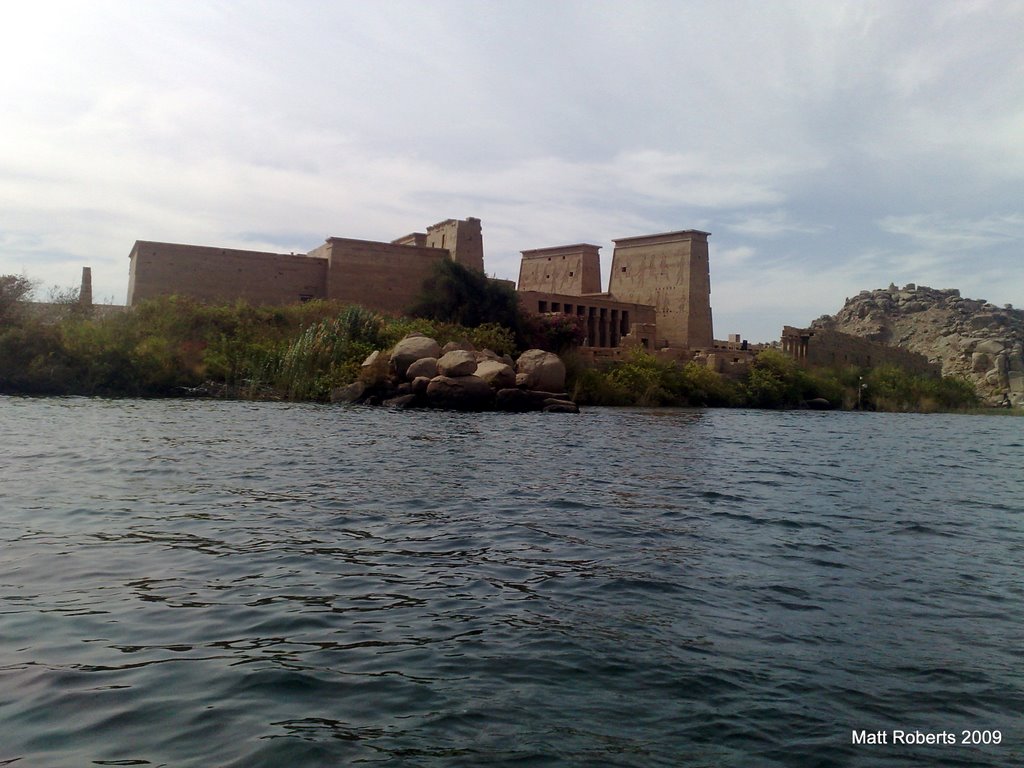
456, 294
14, 289
776, 381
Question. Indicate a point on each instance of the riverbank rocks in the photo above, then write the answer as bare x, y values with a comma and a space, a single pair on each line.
541, 370
460, 393
458, 362
496, 373
418, 373
424, 367
412, 348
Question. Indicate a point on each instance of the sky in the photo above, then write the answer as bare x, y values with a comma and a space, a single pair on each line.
829, 147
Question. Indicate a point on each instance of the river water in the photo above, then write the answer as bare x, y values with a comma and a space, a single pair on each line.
195, 583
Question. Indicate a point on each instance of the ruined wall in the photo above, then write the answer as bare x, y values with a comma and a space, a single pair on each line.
381, 276
607, 322
462, 237
573, 270
671, 272
222, 274
826, 348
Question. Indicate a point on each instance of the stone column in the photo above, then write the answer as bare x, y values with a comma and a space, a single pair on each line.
85, 292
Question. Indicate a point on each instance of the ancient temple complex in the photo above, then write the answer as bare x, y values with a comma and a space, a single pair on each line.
658, 295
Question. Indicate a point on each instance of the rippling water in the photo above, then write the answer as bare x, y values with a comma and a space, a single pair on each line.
234, 584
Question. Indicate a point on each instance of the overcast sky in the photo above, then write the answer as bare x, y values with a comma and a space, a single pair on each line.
829, 147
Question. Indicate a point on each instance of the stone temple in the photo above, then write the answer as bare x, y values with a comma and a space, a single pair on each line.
658, 297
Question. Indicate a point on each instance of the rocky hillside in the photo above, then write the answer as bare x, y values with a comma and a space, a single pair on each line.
970, 337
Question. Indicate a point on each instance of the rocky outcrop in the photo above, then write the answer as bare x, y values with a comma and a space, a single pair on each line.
459, 378
968, 337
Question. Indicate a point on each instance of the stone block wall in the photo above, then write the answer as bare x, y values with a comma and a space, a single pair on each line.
213, 274
381, 276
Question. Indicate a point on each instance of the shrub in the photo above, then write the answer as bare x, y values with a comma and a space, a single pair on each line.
554, 331
642, 379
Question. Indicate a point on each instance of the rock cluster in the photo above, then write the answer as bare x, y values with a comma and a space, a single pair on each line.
969, 337
419, 373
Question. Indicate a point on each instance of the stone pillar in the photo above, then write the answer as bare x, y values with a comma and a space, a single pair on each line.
85, 292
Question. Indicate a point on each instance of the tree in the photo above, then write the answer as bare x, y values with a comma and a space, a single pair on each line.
14, 289
456, 294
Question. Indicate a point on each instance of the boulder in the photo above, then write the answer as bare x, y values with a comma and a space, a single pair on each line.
371, 359
490, 354
819, 404
496, 373
451, 346
353, 393
554, 405
516, 400
458, 362
402, 402
412, 348
459, 393
425, 366
520, 400
419, 385
543, 370
990, 346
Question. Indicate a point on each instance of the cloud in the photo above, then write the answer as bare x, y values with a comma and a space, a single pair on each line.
772, 224
828, 146
945, 234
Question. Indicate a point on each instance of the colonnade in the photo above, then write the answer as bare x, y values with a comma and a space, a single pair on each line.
605, 326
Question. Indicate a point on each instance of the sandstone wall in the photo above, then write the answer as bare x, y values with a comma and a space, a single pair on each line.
381, 276
223, 274
572, 270
671, 272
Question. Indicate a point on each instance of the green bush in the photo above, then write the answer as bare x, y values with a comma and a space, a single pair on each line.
642, 379
888, 388
554, 331
328, 354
